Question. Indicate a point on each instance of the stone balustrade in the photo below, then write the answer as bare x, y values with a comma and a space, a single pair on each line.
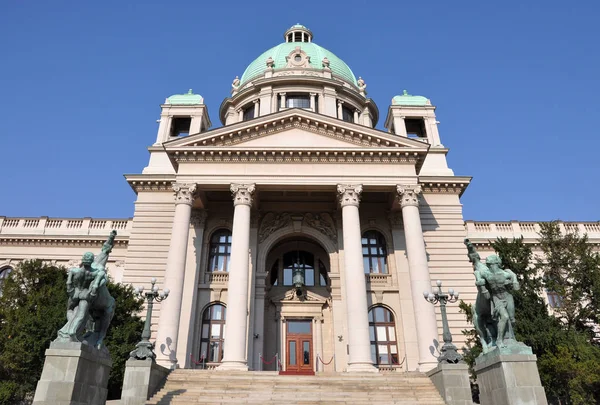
64, 226
218, 277
478, 230
378, 279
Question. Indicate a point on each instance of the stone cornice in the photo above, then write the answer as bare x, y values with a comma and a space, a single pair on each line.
298, 155
152, 182
444, 185
63, 241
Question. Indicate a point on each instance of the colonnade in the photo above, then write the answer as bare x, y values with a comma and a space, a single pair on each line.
359, 352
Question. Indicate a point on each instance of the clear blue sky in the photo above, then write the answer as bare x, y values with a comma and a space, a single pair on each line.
516, 84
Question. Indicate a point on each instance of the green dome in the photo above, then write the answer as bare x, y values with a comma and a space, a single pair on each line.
408, 99
185, 99
316, 53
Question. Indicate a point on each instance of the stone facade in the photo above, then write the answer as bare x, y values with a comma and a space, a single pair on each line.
296, 178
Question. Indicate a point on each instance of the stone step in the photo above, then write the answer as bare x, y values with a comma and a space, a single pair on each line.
196, 387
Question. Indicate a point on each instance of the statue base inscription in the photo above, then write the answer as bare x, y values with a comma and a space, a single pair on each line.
74, 374
506, 378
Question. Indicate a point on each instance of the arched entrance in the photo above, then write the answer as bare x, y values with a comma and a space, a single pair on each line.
297, 299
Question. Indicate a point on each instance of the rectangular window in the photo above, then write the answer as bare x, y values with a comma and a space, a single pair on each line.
292, 352
248, 113
287, 276
297, 101
309, 277
299, 327
306, 352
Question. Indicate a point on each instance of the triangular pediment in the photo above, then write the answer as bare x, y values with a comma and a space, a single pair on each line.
295, 128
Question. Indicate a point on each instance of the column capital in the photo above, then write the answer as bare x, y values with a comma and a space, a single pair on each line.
198, 219
282, 93
184, 193
349, 194
242, 193
256, 101
340, 102
408, 194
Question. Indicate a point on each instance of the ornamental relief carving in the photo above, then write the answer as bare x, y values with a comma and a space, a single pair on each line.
323, 223
273, 221
198, 219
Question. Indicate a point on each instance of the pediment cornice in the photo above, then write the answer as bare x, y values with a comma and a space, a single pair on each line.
359, 144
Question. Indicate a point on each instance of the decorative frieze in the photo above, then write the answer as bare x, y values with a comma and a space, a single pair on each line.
184, 193
349, 194
408, 195
242, 193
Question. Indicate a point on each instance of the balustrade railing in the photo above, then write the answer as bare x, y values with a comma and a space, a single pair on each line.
378, 278
529, 230
63, 227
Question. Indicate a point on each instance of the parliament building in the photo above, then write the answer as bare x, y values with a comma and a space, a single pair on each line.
296, 231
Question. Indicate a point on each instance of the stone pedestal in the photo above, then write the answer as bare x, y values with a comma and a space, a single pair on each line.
509, 379
73, 374
452, 382
143, 378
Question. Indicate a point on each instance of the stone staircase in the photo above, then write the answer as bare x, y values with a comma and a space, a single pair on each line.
187, 387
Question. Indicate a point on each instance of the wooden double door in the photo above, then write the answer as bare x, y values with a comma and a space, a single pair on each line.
299, 347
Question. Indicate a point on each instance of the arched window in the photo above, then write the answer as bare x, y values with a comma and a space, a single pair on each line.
220, 250
3, 274
382, 330
212, 333
374, 252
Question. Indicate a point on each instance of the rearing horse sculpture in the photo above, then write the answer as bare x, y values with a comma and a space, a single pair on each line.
89, 300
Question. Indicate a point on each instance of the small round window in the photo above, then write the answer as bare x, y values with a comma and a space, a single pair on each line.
298, 57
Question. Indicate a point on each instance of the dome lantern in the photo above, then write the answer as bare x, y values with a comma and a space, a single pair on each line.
298, 33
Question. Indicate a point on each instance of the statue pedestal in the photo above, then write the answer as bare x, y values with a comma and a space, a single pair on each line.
74, 374
143, 378
505, 378
452, 381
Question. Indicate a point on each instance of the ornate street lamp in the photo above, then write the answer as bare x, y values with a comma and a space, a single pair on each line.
144, 349
448, 352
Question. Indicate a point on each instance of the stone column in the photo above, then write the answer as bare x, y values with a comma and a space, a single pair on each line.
312, 101
340, 112
282, 105
170, 310
356, 116
237, 289
419, 274
359, 343
256, 108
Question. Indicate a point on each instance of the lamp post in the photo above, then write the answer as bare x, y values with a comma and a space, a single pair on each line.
448, 352
145, 349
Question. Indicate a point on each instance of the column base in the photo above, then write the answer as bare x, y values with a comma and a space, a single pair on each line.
362, 368
427, 366
167, 363
233, 366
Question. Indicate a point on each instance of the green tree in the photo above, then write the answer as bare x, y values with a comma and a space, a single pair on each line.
571, 269
32, 309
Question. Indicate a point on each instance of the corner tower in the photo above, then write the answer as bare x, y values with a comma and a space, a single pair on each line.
298, 73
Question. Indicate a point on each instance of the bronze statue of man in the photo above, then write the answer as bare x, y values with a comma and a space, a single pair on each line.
89, 299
